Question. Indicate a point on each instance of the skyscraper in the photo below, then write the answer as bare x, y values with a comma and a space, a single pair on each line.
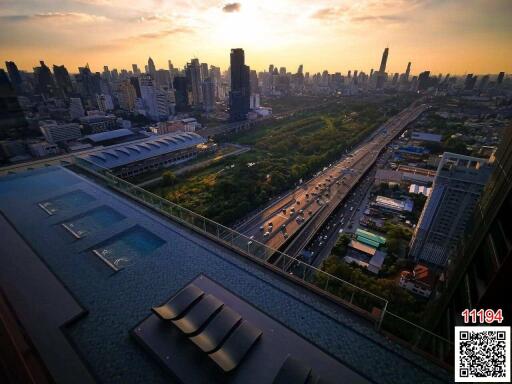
181, 93
204, 71
14, 75
12, 118
239, 97
127, 95
148, 95
44, 79
89, 85
384, 60
136, 70
151, 68
208, 86
479, 272
407, 72
499, 80
76, 109
216, 78
194, 74
63, 80
424, 80
457, 186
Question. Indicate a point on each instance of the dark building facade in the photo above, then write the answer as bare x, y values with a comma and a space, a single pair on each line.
479, 276
14, 75
45, 82
89, 85
12, 118
181, 93
239, 97
63, 80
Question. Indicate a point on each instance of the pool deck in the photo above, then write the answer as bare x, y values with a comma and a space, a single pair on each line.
116, 301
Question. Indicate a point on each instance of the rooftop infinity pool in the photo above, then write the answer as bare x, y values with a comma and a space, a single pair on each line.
92, 221
125, 248
65, 202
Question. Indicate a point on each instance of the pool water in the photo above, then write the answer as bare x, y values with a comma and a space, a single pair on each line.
92, 221
65, 202
124, 249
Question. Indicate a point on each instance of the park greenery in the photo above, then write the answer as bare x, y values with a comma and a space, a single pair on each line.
401, 301
283, 152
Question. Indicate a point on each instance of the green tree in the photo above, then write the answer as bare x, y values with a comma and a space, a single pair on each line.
168, 178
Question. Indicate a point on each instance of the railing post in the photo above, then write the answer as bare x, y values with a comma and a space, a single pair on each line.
383, 313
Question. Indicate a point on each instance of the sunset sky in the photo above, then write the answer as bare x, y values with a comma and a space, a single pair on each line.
455, 36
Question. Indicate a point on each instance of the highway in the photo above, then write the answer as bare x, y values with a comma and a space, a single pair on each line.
293, 220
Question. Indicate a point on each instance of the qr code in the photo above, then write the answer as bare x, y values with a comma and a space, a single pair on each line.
482, 354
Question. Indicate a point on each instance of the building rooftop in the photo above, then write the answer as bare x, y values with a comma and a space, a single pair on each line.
82, 266
122, 154
109, 135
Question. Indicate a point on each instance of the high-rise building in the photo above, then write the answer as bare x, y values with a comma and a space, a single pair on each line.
162, 78
162, 104
171, 67
384, 60
127, 95
208, 90
181, 93
469, 82
253, 80
89, 85
483, 82
479, 272
423, 80
216, 78
407, 72
204, 71
458, 183
194, 77
63, 80
239, 97
500, 77
12, 119
45, 81
148, 95
76, 109
105, 102
136, 70
151, 69
14, 76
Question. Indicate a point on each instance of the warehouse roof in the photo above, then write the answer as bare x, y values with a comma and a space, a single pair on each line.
122, 154
109, 135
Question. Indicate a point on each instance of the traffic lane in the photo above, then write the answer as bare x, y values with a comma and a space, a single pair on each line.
356, 158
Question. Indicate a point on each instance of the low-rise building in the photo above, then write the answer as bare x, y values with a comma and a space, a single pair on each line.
420, 190
425, 136
419, 281
98, 123
43, 149
394, 204
58, 133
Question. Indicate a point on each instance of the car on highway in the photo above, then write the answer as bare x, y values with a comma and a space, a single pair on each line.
266, 234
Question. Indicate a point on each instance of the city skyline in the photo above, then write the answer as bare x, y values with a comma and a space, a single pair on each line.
452, 36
